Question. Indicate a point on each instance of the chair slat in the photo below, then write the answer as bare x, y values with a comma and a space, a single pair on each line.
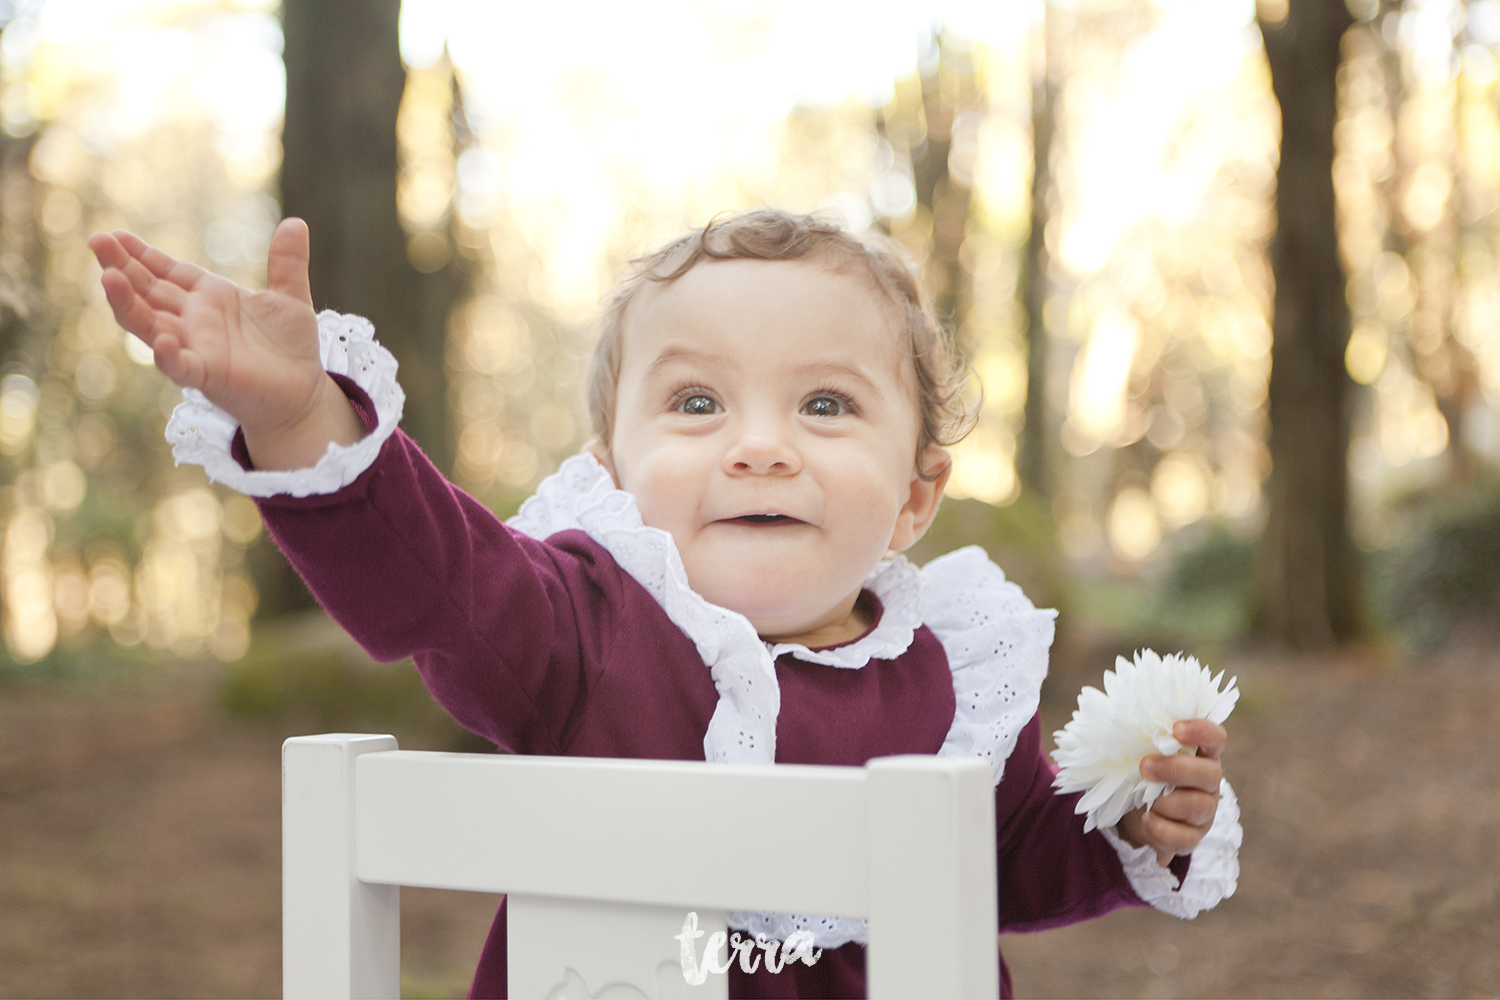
667, 833
340, 937
934, 916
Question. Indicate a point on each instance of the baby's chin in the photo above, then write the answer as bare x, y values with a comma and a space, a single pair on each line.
776, 607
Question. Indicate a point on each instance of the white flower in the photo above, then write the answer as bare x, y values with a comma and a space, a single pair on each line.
1100, 751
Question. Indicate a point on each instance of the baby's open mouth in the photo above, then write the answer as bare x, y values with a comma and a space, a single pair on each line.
766, 519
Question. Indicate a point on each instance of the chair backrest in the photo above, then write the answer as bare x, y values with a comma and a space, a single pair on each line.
604, 859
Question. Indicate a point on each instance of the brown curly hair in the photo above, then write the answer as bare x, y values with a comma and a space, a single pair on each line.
768, 234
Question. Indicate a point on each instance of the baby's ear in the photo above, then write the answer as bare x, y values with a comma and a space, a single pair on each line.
933, 469
597, 449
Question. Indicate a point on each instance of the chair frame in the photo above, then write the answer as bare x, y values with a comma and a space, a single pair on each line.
906, 842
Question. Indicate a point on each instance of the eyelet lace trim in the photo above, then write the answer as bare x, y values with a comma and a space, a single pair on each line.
1213, 875
201, 434
827, 932
581, 495
997, 643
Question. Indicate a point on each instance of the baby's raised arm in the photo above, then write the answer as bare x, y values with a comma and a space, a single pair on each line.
501, 626
253, 354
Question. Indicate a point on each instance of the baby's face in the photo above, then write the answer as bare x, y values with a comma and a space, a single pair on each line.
766, 417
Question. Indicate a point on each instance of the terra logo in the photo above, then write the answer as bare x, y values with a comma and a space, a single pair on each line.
798, 945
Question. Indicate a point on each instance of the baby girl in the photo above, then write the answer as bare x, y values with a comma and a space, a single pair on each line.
716, 577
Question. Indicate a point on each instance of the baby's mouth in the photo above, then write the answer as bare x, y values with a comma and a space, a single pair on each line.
764, 519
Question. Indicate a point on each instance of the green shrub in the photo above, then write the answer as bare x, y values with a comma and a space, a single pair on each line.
1208, 593
1446, 570
1220, 564
332, 690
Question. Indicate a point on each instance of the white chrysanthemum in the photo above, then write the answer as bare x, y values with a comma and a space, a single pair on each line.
1100, 751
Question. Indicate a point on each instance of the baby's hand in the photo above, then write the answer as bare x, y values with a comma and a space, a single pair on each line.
253, 354
1177, 821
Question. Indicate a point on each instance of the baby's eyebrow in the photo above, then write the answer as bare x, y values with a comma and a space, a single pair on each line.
681, 355
673, 355
828, 370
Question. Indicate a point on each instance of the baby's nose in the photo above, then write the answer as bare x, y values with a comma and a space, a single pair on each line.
762, 454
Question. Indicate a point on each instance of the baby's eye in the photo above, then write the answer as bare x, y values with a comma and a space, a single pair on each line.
825, 406
698, 406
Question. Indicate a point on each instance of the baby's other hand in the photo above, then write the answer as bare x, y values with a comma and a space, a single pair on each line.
253, 354
1177, 821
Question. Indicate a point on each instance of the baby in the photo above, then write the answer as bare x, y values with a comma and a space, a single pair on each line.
715, 578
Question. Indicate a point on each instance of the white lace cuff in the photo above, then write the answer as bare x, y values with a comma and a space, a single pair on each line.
201, 434
1212, 876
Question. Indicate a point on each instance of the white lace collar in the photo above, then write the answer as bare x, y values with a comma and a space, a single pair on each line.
995, 640
581, 495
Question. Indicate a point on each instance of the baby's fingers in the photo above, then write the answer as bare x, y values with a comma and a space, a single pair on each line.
131, 311
1209, 737
1181, 771
1188, 806
286, 265
157, 292
159, 263
108, 250
1169, 836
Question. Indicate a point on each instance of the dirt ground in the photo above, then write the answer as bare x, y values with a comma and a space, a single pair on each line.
140, 852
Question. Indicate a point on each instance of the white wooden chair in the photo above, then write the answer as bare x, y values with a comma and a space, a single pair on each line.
604, 859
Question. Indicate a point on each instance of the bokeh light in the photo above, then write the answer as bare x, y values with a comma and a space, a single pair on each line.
544, 150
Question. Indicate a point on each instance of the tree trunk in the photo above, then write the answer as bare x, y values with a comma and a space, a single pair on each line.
948, 199
1310, 594
1034, 465
24, 331
344, 83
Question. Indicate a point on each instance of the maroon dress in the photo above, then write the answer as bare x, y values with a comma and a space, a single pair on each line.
550, 647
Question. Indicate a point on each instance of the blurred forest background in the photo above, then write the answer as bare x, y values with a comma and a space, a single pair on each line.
1090, 189
1226, 271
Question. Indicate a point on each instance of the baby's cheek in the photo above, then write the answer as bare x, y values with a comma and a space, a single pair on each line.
664, 491
882, 506
870, 527
860, 511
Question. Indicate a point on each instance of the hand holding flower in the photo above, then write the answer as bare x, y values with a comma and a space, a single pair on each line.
1145, 751
1177, 821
